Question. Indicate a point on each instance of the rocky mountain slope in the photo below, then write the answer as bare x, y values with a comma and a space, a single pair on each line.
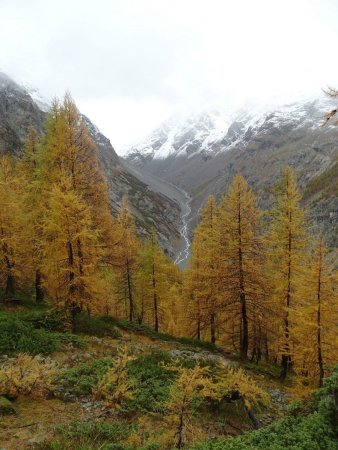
153, 202
201, 152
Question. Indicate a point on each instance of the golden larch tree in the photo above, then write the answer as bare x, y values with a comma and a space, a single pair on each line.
241, 265
316, 317
287, 256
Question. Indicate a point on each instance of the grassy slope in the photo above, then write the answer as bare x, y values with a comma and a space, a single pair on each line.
83, 358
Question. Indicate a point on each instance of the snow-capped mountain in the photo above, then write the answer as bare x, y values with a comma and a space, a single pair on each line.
201, 152
213, 131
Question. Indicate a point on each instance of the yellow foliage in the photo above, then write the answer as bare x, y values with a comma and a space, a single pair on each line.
190, 387
233, 380
26, 375
115, 386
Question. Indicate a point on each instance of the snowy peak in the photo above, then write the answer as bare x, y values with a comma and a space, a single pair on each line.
212, 131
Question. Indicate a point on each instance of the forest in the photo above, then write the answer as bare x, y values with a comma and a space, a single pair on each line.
259, 295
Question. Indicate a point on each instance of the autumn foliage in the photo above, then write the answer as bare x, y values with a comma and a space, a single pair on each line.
256, 285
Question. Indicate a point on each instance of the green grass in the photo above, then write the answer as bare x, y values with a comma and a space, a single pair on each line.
95, 435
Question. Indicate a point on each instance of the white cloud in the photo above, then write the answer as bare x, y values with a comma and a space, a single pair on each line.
129, 63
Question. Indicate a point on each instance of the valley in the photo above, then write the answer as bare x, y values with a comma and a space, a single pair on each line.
180, 297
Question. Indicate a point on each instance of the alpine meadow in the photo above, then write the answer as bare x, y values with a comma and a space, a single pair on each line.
180, 292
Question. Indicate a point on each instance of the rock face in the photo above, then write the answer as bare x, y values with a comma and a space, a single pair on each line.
19, 109
202, 152
17, 113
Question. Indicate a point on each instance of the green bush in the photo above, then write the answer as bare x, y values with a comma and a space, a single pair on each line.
81, 379
49, 320
152, 381
19, 336
95, 326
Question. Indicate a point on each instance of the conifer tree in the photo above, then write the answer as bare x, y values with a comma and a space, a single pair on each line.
287, 256
204, 282
153, 272
160, 282
72, 272
317, 320
68, 168
193, 285
125, 258
27, 168
242, 262
14, 244
68, 149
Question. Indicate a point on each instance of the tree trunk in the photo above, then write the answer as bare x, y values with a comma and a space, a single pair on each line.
155, 299
39, 293
180, 432
286, 355
130, 294
244, 316
10, 286
245, 333
10, 280
213, 328
319, 337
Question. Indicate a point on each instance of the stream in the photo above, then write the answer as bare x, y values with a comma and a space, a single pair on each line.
183, 254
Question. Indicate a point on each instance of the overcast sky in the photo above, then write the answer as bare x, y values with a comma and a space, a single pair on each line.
129, 64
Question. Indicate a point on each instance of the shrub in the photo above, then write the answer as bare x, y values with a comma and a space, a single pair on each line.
19, 336
115, 387
82, 379
26, 375
314, 431
151, 380
95, 326
49, 320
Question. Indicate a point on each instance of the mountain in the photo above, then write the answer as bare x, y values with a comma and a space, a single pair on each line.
201, 153
154, 203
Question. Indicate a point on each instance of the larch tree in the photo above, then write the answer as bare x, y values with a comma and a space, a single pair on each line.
317, 320
242, 263
125, 259
154, 271
68, 149
14, 241
287, 256
72, 271
27, 168
204, 282
193, 284
68, 160
159, 280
